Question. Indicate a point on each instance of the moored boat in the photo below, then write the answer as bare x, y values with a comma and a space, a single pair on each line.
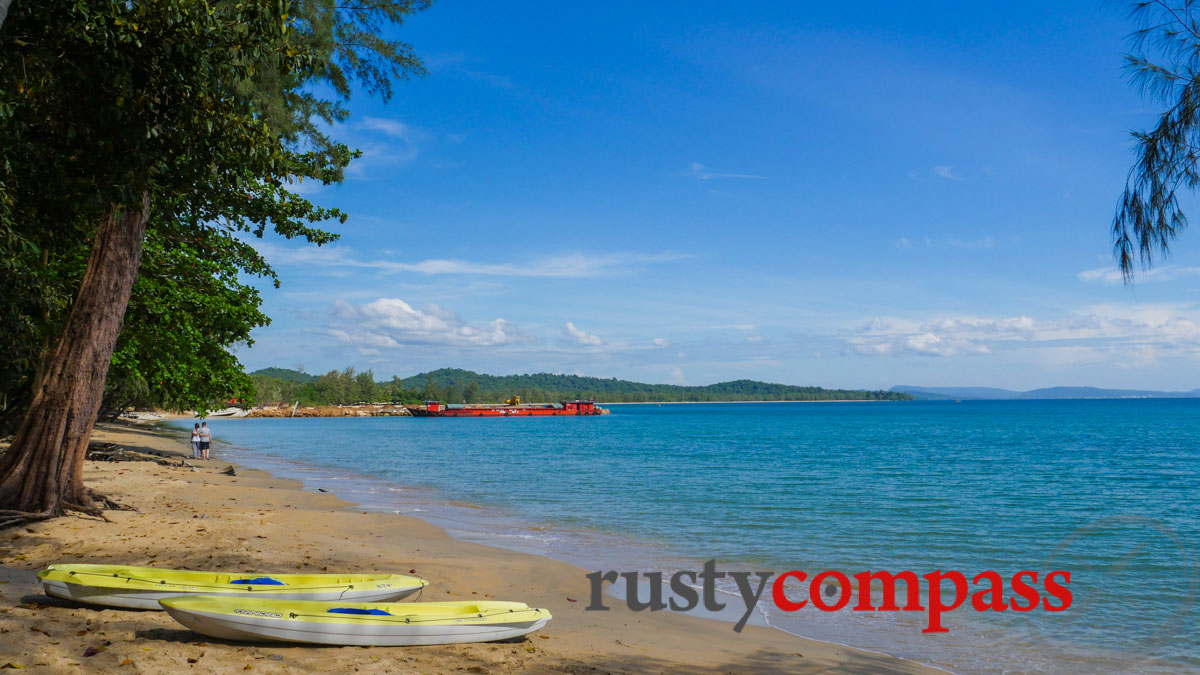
143, 587
340, 623
512, 409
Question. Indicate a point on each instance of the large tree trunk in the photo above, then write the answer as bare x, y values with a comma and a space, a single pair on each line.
41, 475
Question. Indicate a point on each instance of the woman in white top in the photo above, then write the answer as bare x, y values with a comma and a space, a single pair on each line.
196, 441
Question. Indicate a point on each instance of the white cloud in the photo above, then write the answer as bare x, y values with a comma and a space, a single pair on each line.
698, 170
581, 337
754, 338
461, 63
905, 243
1126, 333
964, 244
1106, 275
306, 188
1112, 275
925, 344
568, 265
662, 342
387, 142
946, 172
392, 323
391, 127
677, 376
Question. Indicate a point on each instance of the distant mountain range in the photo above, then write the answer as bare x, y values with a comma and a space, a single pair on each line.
994, 394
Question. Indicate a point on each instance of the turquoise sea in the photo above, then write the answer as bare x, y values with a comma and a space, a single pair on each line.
1107, 489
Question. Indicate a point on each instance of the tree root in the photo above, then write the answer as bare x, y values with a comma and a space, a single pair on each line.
94, 511
12, 518
100, 503
107, 502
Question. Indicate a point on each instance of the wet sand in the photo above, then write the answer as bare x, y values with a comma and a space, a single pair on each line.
254, 522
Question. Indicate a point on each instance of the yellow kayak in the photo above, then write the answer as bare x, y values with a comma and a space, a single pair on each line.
354, 623
143, 587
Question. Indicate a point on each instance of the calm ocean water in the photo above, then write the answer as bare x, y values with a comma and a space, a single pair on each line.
1109, 490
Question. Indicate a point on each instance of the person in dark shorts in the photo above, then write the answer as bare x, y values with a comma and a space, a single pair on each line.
205, 440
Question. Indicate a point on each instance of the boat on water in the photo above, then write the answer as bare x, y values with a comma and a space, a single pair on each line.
513, 408
341, 623
143, 587
229, 412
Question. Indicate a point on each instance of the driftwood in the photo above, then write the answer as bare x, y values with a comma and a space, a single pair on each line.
111, 452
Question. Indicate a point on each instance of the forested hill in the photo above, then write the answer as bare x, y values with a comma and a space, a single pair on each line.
286, 374
463, 386
550, 387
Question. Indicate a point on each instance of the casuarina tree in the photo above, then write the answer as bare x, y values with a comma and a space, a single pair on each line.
1164, 64
190, 118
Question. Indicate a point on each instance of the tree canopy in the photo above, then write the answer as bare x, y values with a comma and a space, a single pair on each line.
82, 98
1164, 65
163, 135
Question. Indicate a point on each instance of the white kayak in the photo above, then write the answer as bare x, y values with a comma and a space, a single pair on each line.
143, 587
341, 623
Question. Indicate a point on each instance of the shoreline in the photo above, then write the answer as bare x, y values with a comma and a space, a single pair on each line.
832, 400
264, 523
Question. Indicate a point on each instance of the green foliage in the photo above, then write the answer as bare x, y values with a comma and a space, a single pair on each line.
286, 374
337, 387
453, 385
1165, 66
212, 109
185, 316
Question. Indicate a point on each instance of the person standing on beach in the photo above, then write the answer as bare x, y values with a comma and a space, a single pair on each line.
205, 440
196, 441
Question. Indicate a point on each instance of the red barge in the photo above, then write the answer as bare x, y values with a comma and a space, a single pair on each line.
512, 409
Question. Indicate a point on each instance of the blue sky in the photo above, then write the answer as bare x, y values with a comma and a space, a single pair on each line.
808, 193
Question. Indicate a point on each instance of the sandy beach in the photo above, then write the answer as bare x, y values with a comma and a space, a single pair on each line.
202, 519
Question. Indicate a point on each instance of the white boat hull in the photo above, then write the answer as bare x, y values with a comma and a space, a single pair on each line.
280, 628
132, 598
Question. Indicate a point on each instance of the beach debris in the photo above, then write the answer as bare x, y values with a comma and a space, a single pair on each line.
571, 600
10, 664
126, 662
322, 490
229, 471
92, 651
